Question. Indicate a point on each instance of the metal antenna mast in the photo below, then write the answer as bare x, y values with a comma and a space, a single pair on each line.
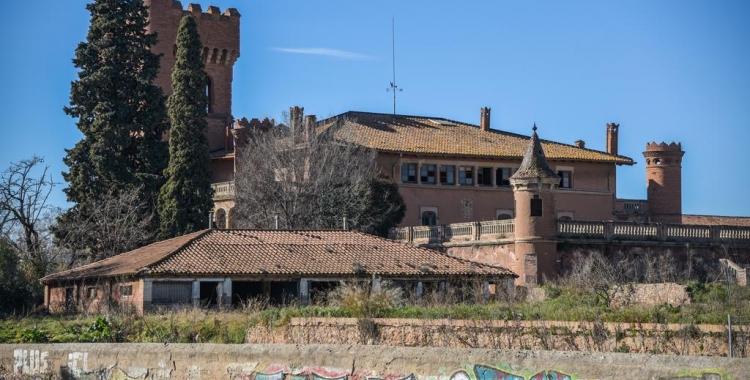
394, 88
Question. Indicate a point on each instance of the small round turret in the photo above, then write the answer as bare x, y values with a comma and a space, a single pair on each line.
664, 181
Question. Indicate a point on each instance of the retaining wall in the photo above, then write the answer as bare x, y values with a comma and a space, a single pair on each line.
345, 362
645, 338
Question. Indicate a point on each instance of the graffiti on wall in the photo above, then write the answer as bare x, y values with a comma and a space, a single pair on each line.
30, 362
76, 365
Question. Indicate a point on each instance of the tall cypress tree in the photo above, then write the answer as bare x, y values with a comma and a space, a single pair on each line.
120, 111
186, 197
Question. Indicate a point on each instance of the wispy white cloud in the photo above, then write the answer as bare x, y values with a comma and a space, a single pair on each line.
325, 52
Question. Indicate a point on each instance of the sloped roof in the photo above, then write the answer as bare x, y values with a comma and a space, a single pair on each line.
440, 136
534, 164
281, 252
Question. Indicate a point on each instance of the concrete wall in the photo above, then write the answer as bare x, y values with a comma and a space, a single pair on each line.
322, 362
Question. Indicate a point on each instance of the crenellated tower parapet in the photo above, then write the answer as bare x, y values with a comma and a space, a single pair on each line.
664, 181
220, 35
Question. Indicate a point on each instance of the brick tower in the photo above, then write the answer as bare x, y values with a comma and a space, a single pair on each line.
664, 181
534, 186
220, 35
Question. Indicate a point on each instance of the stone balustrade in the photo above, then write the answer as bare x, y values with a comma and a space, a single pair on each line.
576, 230
682, 233
492, 229
223, 190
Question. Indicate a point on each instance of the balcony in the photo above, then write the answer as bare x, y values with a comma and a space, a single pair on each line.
223, 190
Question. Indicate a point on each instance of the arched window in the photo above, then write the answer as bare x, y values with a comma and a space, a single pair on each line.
566, 217
220, 218
504, 216
429, 218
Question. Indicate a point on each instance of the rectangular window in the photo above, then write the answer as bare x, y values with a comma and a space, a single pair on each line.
427, 174
484, 177
447, 175
409, 173
566, 179
126, 290
466, 175
536, 206
91, 292
503, 176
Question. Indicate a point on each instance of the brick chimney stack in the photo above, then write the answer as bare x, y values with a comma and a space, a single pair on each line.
612, 129
484, 117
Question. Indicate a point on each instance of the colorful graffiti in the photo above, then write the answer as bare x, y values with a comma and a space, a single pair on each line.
483, 372
76, 366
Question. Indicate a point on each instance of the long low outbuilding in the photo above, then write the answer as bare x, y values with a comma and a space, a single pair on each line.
227, 267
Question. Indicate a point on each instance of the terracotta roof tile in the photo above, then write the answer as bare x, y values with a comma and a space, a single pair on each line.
714, 220
434, 135
282, 252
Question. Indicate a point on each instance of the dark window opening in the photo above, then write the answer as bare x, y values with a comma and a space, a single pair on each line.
319, 291
91, 292
245, 291
429, 218
503, 176
504, 217
566, 179
209, 95
566, 217
536, 206
466, 175
409, 173
70, 298
447, 175
126, 290
484, 177
427, 175
208, 295
283, 292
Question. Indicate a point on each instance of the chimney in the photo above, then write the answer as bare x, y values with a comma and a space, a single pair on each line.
580, 143
612, 129
310, 121
295, 122
484, 117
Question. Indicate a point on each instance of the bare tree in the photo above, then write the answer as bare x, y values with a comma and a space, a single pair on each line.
25, 215
310, 183
109, 225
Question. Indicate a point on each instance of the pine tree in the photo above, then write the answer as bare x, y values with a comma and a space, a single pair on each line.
186, 197
120, 111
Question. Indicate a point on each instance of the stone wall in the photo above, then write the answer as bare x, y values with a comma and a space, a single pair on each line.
652, 294
645, 338
345, 362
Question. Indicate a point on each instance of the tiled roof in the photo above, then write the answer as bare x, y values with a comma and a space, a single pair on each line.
434, 135
713, 220
296, 253
534, 164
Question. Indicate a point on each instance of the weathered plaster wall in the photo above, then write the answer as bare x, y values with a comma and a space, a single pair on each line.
324, 362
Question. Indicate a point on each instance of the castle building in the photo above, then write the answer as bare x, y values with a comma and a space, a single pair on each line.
447, 171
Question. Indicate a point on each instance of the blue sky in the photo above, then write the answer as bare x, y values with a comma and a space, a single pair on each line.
672, 70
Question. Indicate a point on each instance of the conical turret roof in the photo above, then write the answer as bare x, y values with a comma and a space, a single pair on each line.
534, 164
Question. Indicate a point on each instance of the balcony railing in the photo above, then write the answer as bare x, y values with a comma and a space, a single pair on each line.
576, 230
683, 233
488, 230
223, 190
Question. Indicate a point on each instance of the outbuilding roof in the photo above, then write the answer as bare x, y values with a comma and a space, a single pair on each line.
440, 136
295, 253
